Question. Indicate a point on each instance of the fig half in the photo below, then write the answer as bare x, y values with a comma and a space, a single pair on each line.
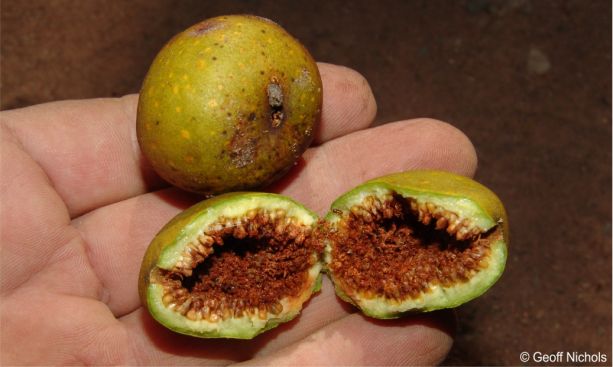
415, 241
232, 266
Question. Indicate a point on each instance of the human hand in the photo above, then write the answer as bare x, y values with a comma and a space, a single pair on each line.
79, 205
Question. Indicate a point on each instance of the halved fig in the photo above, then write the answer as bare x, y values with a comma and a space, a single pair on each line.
415, 241
232, 266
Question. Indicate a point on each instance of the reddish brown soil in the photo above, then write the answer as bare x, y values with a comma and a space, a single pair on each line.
528, 81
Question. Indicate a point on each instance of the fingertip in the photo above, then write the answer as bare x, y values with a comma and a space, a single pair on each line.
451, 149
348, 102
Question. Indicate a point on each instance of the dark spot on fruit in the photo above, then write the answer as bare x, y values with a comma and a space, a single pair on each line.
214, 58
157, 122
204, 27
275, 101
261, 72
251, 116
225, 132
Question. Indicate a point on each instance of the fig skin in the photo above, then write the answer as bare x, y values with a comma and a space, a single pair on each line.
229, 104
460, 194
166, 247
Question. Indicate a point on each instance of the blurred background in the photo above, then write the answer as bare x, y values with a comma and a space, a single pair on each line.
529, 81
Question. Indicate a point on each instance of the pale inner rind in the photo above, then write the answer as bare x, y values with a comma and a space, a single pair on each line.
437, 296
463, 208
234, 327
169, 257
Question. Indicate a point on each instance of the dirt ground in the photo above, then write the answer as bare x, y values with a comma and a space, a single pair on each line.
528, 81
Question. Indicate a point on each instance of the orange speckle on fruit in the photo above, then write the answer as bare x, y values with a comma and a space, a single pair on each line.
185, 134
188, 158
212, 103
178, 109
200, 63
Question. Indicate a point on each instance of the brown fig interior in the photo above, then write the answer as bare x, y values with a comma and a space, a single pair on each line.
243, 268
396, 248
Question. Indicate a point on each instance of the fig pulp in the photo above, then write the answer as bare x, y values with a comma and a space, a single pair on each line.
415, 241
232, 266
229, 104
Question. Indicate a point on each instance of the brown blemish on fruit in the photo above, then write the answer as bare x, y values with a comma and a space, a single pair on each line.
205, 27
242, 146
241, 267
397, 248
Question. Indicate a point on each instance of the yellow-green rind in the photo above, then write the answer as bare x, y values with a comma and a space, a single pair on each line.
203, 117
167, 245
459, 194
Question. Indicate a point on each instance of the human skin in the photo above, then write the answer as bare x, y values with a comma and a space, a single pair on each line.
79, 205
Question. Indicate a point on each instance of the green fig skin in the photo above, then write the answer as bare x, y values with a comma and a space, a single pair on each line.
167, 246
229, 104
461, 195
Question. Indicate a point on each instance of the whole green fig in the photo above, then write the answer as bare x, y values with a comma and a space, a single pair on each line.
229, 104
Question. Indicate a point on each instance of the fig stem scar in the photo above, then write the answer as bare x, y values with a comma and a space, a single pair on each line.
275, 100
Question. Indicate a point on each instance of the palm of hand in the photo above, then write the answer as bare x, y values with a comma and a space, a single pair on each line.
80, 205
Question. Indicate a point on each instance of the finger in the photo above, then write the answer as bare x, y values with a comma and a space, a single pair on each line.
117, 236
344, 163
356, 340
158, 345
89, 149
330, 170
344, 87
